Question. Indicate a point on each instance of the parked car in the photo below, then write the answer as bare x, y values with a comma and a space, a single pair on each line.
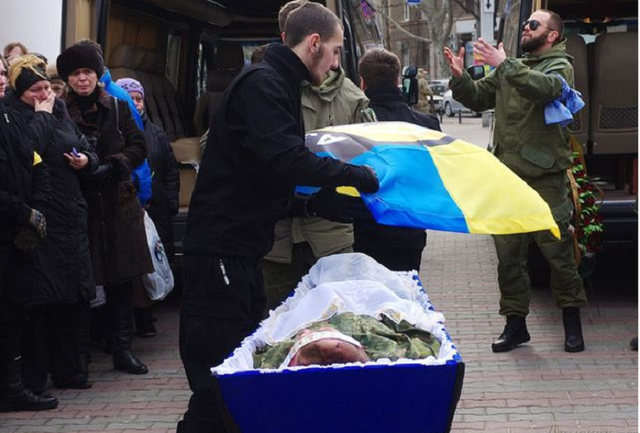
438, 89
451, 107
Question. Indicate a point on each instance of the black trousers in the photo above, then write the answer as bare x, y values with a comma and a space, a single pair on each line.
222, 303
51, 344
16, 285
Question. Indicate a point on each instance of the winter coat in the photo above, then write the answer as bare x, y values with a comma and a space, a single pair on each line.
24, 185
63, 262
117, 238
165, 183
337, 101
519, 89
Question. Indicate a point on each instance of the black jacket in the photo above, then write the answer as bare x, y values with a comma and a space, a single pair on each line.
63, 262
377, 240
255, 156
165, 183
23, 185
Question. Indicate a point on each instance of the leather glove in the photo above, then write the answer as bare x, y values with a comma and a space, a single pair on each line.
102, 172
38, 223
333, 206
366, 180
26, 239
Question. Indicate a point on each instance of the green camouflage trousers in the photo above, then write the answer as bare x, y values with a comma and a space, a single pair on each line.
513, 250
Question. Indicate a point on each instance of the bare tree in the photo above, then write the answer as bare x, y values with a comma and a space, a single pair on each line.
439, 17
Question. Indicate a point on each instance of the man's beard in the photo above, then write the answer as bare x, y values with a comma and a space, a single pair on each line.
316, 58
533, 43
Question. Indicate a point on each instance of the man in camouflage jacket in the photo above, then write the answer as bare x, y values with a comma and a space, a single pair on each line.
518, 90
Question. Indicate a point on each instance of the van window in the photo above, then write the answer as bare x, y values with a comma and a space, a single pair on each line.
510, 23
174, 45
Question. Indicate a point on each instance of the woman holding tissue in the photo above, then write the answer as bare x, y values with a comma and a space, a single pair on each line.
63, 280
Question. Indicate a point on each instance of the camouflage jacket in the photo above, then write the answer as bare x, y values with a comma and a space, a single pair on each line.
379, 338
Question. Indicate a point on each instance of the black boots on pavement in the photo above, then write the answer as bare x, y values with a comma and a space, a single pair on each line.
15, 397
573, 341
515, 333
122, 332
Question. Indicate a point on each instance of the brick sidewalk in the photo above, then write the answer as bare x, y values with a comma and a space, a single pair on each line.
537, 388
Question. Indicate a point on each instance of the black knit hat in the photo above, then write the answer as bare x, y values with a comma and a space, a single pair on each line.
26, 71
80, 55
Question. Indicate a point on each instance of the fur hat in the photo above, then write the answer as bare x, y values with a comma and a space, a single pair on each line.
130, 85
85, 54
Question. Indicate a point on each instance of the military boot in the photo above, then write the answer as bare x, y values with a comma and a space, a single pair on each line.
515, 333
15, 397
573, 341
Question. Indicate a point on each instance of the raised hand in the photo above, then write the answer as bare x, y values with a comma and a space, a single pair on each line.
456, 63
489, 54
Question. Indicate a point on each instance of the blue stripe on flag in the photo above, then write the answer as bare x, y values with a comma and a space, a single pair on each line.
411, 193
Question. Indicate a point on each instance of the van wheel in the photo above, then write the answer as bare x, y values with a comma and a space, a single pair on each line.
447, 110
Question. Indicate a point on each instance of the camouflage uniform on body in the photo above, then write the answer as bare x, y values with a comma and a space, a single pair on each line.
300, 242
379, 338
540, 154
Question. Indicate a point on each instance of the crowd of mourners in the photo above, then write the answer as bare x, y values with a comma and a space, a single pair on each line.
72, 220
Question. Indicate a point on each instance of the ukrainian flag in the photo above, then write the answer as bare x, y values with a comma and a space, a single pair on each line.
434, 181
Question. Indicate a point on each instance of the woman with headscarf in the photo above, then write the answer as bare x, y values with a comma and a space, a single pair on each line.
163, 205
24, 198
117, 237
63, 280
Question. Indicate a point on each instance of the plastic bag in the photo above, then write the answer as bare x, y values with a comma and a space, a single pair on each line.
158, 284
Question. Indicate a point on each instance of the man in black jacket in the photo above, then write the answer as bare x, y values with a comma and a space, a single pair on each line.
255, 156
24, 193
397, 248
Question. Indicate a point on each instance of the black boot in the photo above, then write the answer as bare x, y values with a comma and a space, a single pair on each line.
515, 333
573, 341
123, 358
127, 361
144, 322
15, 397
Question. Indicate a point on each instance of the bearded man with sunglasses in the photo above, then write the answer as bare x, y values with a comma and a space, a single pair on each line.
540, 154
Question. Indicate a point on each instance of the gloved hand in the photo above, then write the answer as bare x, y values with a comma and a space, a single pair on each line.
102, 172
330, 205
38, 223
26, 239
366, 179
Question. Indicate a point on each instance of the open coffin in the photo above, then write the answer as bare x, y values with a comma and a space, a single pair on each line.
383, 396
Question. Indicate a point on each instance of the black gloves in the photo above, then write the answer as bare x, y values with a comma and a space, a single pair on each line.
38, 223
364, 178
102, 172
30, 234
330, 205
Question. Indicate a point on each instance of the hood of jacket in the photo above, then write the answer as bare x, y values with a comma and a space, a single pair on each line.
331, 85
559, 50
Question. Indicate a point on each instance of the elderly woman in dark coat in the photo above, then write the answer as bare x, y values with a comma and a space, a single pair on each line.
116, 229
63, 280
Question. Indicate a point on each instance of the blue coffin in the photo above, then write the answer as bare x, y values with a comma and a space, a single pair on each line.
408, 397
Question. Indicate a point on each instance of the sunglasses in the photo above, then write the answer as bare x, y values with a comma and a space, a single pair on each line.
533, 24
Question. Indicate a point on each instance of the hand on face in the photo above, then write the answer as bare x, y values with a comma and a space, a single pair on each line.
45, 105
489, 54
456, 63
